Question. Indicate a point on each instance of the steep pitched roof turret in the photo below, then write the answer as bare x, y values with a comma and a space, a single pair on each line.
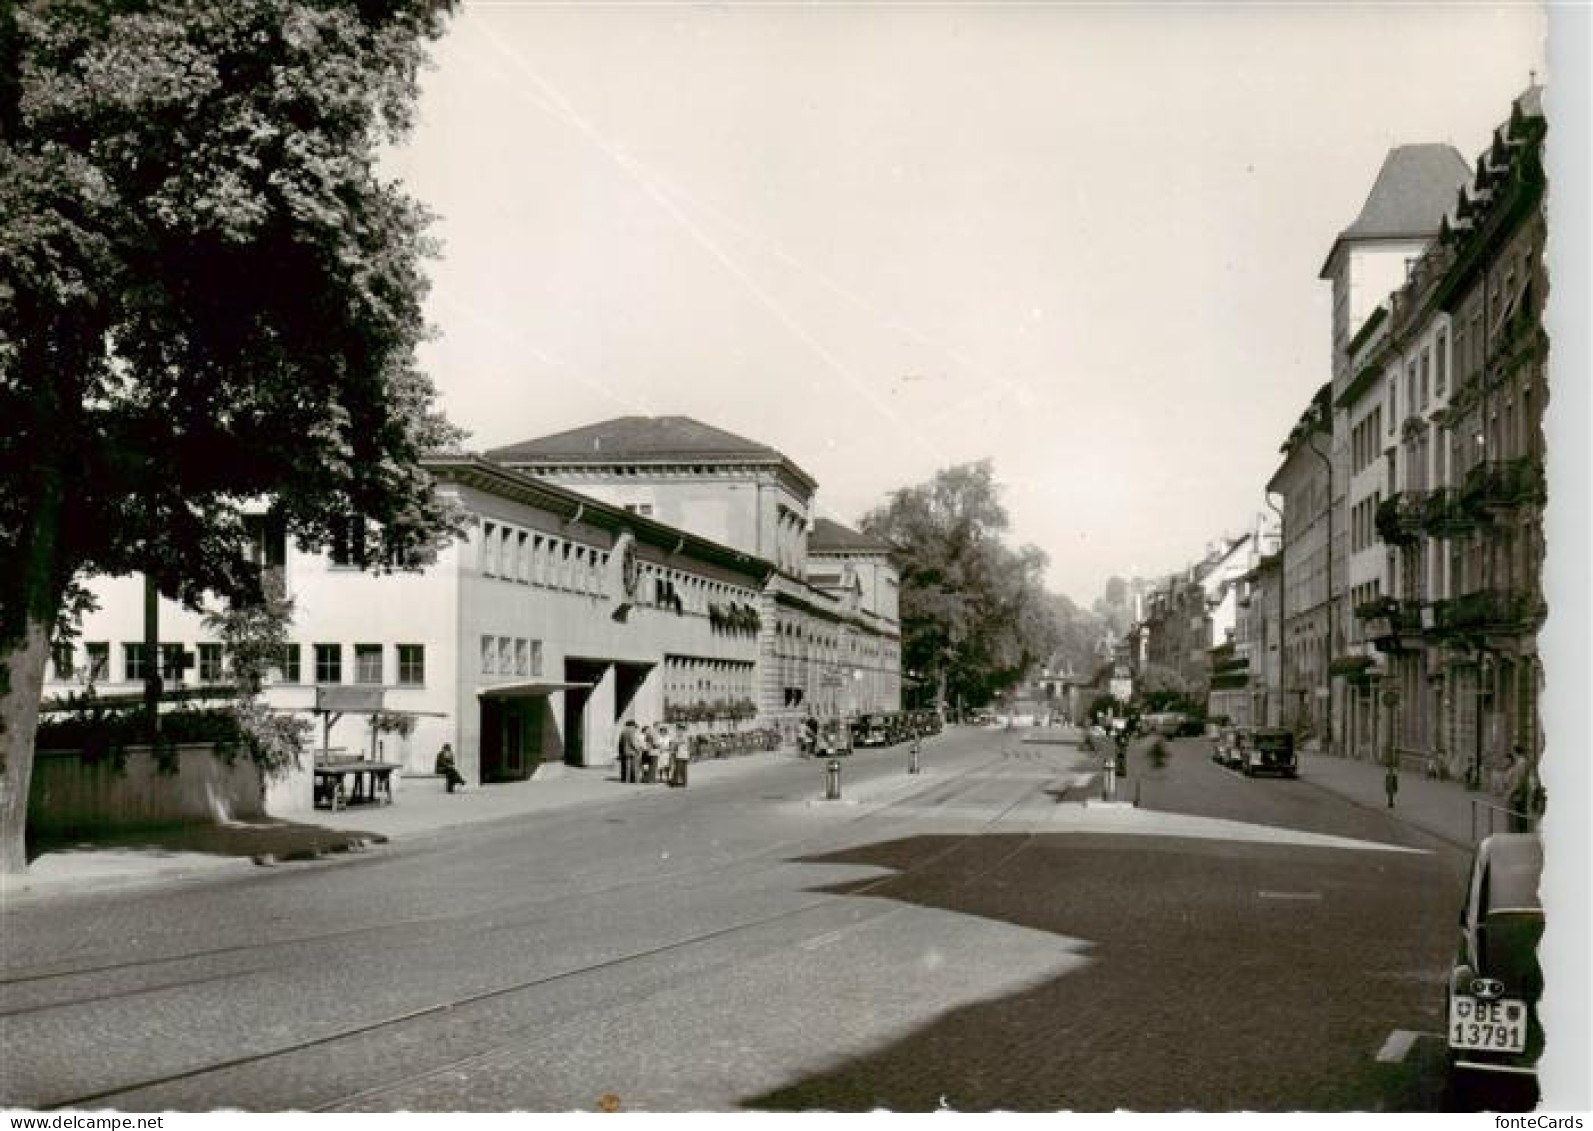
1414, 189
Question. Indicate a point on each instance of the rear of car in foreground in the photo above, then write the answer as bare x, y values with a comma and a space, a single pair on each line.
1493, 1034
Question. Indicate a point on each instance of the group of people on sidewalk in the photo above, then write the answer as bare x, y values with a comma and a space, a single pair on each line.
653, 753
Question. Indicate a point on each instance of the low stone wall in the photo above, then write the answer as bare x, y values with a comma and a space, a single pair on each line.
70, 796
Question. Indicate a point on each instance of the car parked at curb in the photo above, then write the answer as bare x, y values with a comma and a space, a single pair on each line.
1491, 1001
1225, 750
1268, 750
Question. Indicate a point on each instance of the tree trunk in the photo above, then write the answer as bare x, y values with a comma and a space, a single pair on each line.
21, 685
32, 603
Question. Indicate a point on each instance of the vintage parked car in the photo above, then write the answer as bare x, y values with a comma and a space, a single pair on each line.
1268, 750
834, 738
1491, 1004
1225, 751
872, 731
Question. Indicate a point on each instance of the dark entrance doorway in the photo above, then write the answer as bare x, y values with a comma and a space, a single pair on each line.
589, 673
628, 680
511, 736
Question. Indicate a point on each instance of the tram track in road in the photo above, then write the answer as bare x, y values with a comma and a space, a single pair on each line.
453, 1006
498, 917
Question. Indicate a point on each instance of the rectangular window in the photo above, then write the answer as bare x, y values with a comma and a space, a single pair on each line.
368, 663
536, 657
348, 543
522, 657
505, 656
134, 668
171, 662
268, 541
290, 664
97, 656
61, 659
1426, 363
1441, 362
522, 558
329, 663
489, 549
210, 663
489, 656
411, 665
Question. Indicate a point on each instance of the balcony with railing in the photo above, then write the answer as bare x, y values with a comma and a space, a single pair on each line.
1391, 625
1485, 612
1445, 515
1400, 517
1500, 485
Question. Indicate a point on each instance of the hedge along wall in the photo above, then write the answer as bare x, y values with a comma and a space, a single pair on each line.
71, 795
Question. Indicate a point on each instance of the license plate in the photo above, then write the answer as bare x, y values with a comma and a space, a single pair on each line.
1497, 1026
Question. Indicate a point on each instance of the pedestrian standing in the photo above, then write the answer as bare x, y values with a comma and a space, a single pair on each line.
1519, 789
628, 752
679, 759
649, 751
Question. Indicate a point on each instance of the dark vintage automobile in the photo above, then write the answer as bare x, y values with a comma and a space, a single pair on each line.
871, 731
1491, 1005
1225, 750
1268, 750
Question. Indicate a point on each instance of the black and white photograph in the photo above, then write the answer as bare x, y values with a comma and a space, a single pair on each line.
840, 557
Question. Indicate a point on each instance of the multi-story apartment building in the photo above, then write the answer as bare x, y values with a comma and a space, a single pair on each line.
1402, 214
1461, 375
1191, 618
1358, 662
1304, 481
1258, 646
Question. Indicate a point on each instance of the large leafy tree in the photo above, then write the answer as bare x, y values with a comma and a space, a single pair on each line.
210, 300
975, 614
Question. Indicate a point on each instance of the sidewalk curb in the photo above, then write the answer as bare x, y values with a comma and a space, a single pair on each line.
1387, 810
351, 845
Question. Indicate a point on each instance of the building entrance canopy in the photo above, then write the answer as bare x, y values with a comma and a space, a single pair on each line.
526, 689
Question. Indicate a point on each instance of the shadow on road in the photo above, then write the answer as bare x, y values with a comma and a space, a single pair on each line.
1223, 976
279, 839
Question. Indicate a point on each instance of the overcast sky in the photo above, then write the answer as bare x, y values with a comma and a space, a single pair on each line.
1082, 241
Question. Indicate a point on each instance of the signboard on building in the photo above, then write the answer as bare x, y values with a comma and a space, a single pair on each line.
348, 698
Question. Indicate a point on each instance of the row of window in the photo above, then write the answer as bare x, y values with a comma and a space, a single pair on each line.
688, 679
1426, 378
1366, 441
531, 558
510, 655
176, 660
1363, 522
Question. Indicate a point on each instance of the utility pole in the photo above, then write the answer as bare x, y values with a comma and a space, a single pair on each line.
152, 678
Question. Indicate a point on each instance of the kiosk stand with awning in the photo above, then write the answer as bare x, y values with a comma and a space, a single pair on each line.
370, 775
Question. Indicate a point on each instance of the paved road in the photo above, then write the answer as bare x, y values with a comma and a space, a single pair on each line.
974, 937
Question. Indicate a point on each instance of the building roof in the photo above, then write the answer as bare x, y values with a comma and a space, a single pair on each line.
829, 536
638, 437
1414, 189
